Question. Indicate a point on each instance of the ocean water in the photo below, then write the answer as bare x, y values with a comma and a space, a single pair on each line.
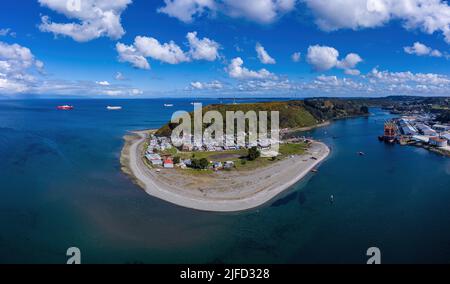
61, 186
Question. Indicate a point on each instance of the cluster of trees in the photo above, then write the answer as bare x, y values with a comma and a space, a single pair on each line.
199, 164
253, 154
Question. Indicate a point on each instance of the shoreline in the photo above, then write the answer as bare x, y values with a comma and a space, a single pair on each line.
219, 192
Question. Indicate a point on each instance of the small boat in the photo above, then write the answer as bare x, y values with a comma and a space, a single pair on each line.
361, 153
113, 107
65, 107
168, 105
314, 171
332, 198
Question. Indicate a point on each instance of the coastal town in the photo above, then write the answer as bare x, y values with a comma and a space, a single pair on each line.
160, 153
420, 130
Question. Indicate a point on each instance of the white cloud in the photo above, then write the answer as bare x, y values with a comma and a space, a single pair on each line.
202, 49
4, 32
119, 76
353, 72
167, 52
408, 77
296, 57
103, 83
323, 58
429, 16
130, 54
197, 85
421, 49
260, 11
186, 10
171, 53
350, 61
93, 18
263, 56
18, 67
213, 85
236, 70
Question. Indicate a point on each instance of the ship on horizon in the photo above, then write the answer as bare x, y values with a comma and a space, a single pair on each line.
65, 107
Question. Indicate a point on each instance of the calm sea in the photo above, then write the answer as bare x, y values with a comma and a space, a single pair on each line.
61, 186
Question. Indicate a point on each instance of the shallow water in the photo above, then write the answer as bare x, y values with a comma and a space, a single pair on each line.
61, 186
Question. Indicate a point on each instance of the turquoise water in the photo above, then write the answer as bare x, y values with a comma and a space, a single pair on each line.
61, 186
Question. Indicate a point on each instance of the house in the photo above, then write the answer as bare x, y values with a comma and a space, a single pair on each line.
156, 162
438, 142
229, 164
168, 163
217, 165
154, 159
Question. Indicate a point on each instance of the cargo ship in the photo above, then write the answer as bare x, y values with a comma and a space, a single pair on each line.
65, 107
113, 107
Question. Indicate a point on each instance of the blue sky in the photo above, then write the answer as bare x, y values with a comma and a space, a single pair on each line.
347, 48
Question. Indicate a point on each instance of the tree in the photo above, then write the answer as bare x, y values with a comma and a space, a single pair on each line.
253, 153
199, 164
203, 163
176, 160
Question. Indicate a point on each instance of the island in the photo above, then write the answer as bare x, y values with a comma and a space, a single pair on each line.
232, 179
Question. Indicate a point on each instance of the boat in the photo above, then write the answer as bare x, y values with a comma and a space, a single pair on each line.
114, 107
65, 107
332, 198
361, 153
315, 171
168, 105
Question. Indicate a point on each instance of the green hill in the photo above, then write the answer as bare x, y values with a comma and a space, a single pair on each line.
293, 114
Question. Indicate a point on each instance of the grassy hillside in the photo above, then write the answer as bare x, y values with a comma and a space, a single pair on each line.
293, 114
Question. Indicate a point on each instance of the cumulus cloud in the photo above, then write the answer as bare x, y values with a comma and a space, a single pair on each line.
429, 16
236, 70
263, 56
296, 57
421, 49
129, 54
18, 67
21, 72
408, 77
168, 52
260, 11
213, 85
103, 83
93, 18
323, 58
202, 49
171, 53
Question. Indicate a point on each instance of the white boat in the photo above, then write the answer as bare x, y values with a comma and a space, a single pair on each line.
168, 105
114, 107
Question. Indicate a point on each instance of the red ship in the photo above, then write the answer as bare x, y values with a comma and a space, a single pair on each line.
65, 107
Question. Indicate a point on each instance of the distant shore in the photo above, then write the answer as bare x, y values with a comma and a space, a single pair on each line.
218, 192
